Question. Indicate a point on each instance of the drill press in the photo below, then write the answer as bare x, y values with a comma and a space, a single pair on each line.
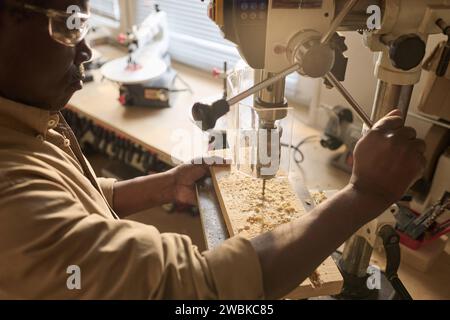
278, 37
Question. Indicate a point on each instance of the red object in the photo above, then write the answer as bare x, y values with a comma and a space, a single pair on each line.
349, 159
122, 38
133, 67
410, 243
211, 12
417, 244
123, 99
216, 73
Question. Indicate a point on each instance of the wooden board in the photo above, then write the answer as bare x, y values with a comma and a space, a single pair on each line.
247, 213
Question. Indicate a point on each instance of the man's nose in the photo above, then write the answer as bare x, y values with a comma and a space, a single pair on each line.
84, 53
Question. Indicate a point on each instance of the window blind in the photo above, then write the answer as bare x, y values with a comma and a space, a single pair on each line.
195, 39
106, 8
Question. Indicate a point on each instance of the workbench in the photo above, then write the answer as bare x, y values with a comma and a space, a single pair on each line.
153, 130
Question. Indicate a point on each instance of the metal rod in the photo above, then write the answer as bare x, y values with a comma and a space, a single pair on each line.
338, 20
404, 100
262, 85
443, 26
347, 96
391, 96
225, 77
429, 120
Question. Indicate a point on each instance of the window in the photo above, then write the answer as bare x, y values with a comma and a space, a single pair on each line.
195, 39
106, 8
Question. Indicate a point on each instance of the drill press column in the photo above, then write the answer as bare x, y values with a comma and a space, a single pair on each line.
390, 96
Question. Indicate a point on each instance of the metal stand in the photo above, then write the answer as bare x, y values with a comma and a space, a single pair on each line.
355, 287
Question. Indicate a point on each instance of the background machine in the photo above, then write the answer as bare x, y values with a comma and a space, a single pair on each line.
279, 37
145, 76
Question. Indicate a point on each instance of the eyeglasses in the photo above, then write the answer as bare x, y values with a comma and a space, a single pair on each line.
68, 29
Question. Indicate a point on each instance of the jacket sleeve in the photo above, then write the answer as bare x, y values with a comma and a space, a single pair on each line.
44, 231
107, 187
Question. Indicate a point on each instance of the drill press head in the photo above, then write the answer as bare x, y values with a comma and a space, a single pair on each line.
272, 35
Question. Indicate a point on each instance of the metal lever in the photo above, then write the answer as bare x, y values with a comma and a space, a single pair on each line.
445, 58
330, 76
262, 85
338, 20
391, 243
353, 103
207, 115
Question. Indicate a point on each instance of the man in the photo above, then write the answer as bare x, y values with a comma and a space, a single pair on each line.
54, 213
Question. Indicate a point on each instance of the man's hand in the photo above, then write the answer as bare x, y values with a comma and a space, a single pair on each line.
388, 160
176, 185
187, 175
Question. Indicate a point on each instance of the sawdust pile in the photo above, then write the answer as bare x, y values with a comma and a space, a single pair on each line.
319, 197
252, 214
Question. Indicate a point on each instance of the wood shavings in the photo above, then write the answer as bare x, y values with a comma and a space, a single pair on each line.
319, 197
253, 214
315, 279
249, 214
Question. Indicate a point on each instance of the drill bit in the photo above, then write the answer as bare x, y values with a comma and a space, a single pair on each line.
264, 188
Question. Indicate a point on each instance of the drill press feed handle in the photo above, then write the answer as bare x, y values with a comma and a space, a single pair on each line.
206, 116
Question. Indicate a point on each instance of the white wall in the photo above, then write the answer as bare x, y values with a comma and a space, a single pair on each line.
361, 82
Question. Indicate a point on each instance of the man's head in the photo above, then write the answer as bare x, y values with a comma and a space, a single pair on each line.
34, 68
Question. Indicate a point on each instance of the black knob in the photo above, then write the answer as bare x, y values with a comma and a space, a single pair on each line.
207, 115
407, 51
330, 142
344, 114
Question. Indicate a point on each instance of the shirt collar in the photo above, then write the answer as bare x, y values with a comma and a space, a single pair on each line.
25, 118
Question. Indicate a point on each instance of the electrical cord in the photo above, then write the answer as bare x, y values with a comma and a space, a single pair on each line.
187, 86
299, 156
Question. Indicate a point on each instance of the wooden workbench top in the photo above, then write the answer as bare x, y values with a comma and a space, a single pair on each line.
155, 129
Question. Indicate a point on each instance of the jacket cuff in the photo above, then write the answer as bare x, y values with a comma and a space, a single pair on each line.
236, 270
107, 186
